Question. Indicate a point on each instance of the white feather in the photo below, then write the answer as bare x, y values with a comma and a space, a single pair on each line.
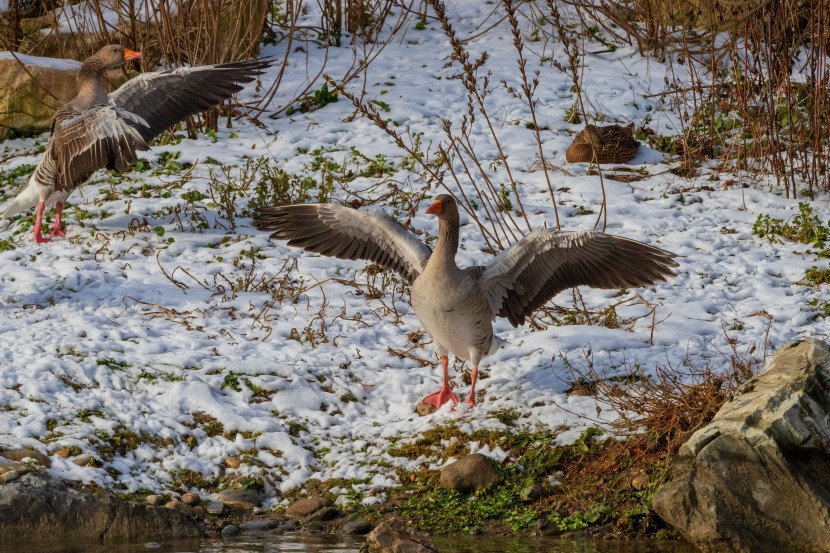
27, 199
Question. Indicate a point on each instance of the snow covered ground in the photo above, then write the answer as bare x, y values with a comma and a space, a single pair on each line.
144, 340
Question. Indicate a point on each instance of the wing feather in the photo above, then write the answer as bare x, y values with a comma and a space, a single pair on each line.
96, 138
337, 231
163, 98
522, 278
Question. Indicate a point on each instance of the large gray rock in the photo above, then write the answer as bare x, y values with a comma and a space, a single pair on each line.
756, 478
395, 536
33, 88
471, 473
37, 508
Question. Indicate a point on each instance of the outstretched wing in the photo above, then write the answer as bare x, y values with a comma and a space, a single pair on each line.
163, 98
522, 278
338, 231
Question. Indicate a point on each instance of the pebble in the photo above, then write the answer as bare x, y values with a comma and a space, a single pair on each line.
286, 527
190, 498
230, 530
215, 508
152, 545
236, 497
324, 514
315, 527
305, 507
20, 454
154, 500
532, 493
10, 471
259, 525
233, 462
424, 409
357, 527
85, 460
179, 506
65, 453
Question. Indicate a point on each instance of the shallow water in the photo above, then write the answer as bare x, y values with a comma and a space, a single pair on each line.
303, 543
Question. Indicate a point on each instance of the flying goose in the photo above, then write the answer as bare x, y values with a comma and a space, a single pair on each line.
97, 130
457, 306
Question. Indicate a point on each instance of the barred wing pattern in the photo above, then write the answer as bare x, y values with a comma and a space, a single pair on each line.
522, 278
163, 98
338, 231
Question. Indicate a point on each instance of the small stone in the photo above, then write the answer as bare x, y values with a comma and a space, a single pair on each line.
638, 481
11, 471
85, 460
230, 530
305, 507
471, 473
233, 462
532, 493
154, 500
199, 510
286, 527
396, 535
358, 527
179, 506
190, 498
315, 527
424, 409
259, 525
215, 508
65, 453
152, 545
20, 454
324, 514
236, 497
167, 441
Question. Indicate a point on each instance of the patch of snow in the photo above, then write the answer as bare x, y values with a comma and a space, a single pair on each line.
58, 64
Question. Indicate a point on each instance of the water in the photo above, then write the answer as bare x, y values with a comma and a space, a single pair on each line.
303, 543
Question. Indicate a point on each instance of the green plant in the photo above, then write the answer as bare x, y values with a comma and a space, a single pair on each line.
314, 101
817, 276
805, 227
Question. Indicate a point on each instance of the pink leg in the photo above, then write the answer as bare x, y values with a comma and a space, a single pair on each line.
471, 399
445, 394
56, 228
39, 238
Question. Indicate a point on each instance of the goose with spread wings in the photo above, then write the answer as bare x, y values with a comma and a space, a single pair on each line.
457, 306
100, 130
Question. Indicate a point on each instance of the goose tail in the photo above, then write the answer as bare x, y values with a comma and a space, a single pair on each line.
27, 199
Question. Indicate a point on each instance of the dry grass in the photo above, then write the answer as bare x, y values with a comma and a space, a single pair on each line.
751, 80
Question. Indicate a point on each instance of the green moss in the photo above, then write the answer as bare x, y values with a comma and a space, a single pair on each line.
817, 276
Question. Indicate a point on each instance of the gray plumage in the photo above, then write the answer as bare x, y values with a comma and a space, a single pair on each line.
456, 306
96, 130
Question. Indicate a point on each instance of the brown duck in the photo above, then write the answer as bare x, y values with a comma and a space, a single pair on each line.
611, 144
98, 130
457, 306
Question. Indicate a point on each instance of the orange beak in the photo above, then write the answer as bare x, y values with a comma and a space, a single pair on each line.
129, 55
434, 209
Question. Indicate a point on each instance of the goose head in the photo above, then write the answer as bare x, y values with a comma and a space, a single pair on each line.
444, 207
115, 55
